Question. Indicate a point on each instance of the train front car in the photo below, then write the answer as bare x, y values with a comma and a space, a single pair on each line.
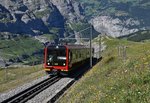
56, 59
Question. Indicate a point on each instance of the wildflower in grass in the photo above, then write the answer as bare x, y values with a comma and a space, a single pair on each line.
146, 63
139, 92
136, 66
144, 58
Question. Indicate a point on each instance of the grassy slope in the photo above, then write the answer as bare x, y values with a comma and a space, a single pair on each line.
114, 80
13, 77
143, 35
140, 36
10, 49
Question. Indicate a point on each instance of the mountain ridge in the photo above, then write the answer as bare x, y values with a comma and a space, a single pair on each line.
41, 16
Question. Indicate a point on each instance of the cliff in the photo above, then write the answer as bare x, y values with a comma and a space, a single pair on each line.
35, 17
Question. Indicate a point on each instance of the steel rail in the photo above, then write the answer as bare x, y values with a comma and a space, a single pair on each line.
29, 93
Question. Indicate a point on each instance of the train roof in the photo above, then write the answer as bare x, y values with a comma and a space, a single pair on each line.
70, 46
77, 46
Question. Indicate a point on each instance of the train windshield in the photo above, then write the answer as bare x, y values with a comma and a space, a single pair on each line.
56, 57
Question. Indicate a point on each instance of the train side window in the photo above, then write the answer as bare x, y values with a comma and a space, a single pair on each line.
80, 54
77, 53
70, 56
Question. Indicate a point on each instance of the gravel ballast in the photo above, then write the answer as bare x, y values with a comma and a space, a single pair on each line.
11, 93
50, 92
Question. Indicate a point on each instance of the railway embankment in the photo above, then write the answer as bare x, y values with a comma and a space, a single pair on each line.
121, 76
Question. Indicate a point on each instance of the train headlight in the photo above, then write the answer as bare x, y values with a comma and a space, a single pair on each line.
64, 64
48, 63
57, 47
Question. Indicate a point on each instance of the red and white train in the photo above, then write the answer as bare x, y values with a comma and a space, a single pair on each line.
61, 59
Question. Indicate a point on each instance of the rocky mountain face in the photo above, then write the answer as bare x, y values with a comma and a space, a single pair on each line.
115, 27
70, 9
35, 17
118, 17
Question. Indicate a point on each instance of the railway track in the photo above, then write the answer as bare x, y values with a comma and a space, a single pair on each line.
76, 75
32, 91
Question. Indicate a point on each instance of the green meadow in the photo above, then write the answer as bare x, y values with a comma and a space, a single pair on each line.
122, 76
18, 46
